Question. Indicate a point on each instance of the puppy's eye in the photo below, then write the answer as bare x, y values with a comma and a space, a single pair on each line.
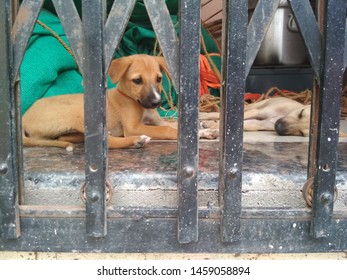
137, 81
159, 79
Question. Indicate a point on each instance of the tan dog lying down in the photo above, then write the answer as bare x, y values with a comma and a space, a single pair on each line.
59, 121
280, 114
284, 115
289, 117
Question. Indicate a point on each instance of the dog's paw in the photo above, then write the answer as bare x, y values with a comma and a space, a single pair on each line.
141, 141
208, 133
69, 148
212, 124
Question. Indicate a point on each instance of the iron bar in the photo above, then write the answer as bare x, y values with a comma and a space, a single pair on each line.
345, 56
10, 152
189, 25
231, 124
95, 116
329, 118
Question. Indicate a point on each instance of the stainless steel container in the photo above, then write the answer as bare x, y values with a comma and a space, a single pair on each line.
283, 44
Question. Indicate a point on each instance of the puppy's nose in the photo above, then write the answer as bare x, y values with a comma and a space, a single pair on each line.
156, 103
280, 127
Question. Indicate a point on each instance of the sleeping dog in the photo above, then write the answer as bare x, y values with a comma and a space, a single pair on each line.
280, 114
284, 115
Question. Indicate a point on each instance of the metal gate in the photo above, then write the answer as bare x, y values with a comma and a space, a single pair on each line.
226, 227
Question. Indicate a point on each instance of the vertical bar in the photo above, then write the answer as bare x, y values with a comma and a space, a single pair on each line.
345, 55
231, 126
329, 118
10, 172
95, 116
188, 120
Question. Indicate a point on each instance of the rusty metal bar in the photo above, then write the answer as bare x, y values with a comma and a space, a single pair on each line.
231, 126
10, 148
345, 56
329, 118
188, 120
95, 116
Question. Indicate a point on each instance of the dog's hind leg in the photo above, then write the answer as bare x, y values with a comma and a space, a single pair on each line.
38, 142
76, 137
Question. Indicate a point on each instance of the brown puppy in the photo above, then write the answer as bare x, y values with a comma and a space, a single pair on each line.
59, 121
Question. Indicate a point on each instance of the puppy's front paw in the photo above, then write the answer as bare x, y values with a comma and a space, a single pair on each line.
208, 133
212, 124
141, 141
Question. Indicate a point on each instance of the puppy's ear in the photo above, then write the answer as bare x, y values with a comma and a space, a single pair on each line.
118, 68
163, 65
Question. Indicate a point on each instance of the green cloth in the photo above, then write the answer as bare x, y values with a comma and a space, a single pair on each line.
48, 69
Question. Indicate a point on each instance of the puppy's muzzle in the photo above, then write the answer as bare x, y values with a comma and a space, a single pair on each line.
152, 100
